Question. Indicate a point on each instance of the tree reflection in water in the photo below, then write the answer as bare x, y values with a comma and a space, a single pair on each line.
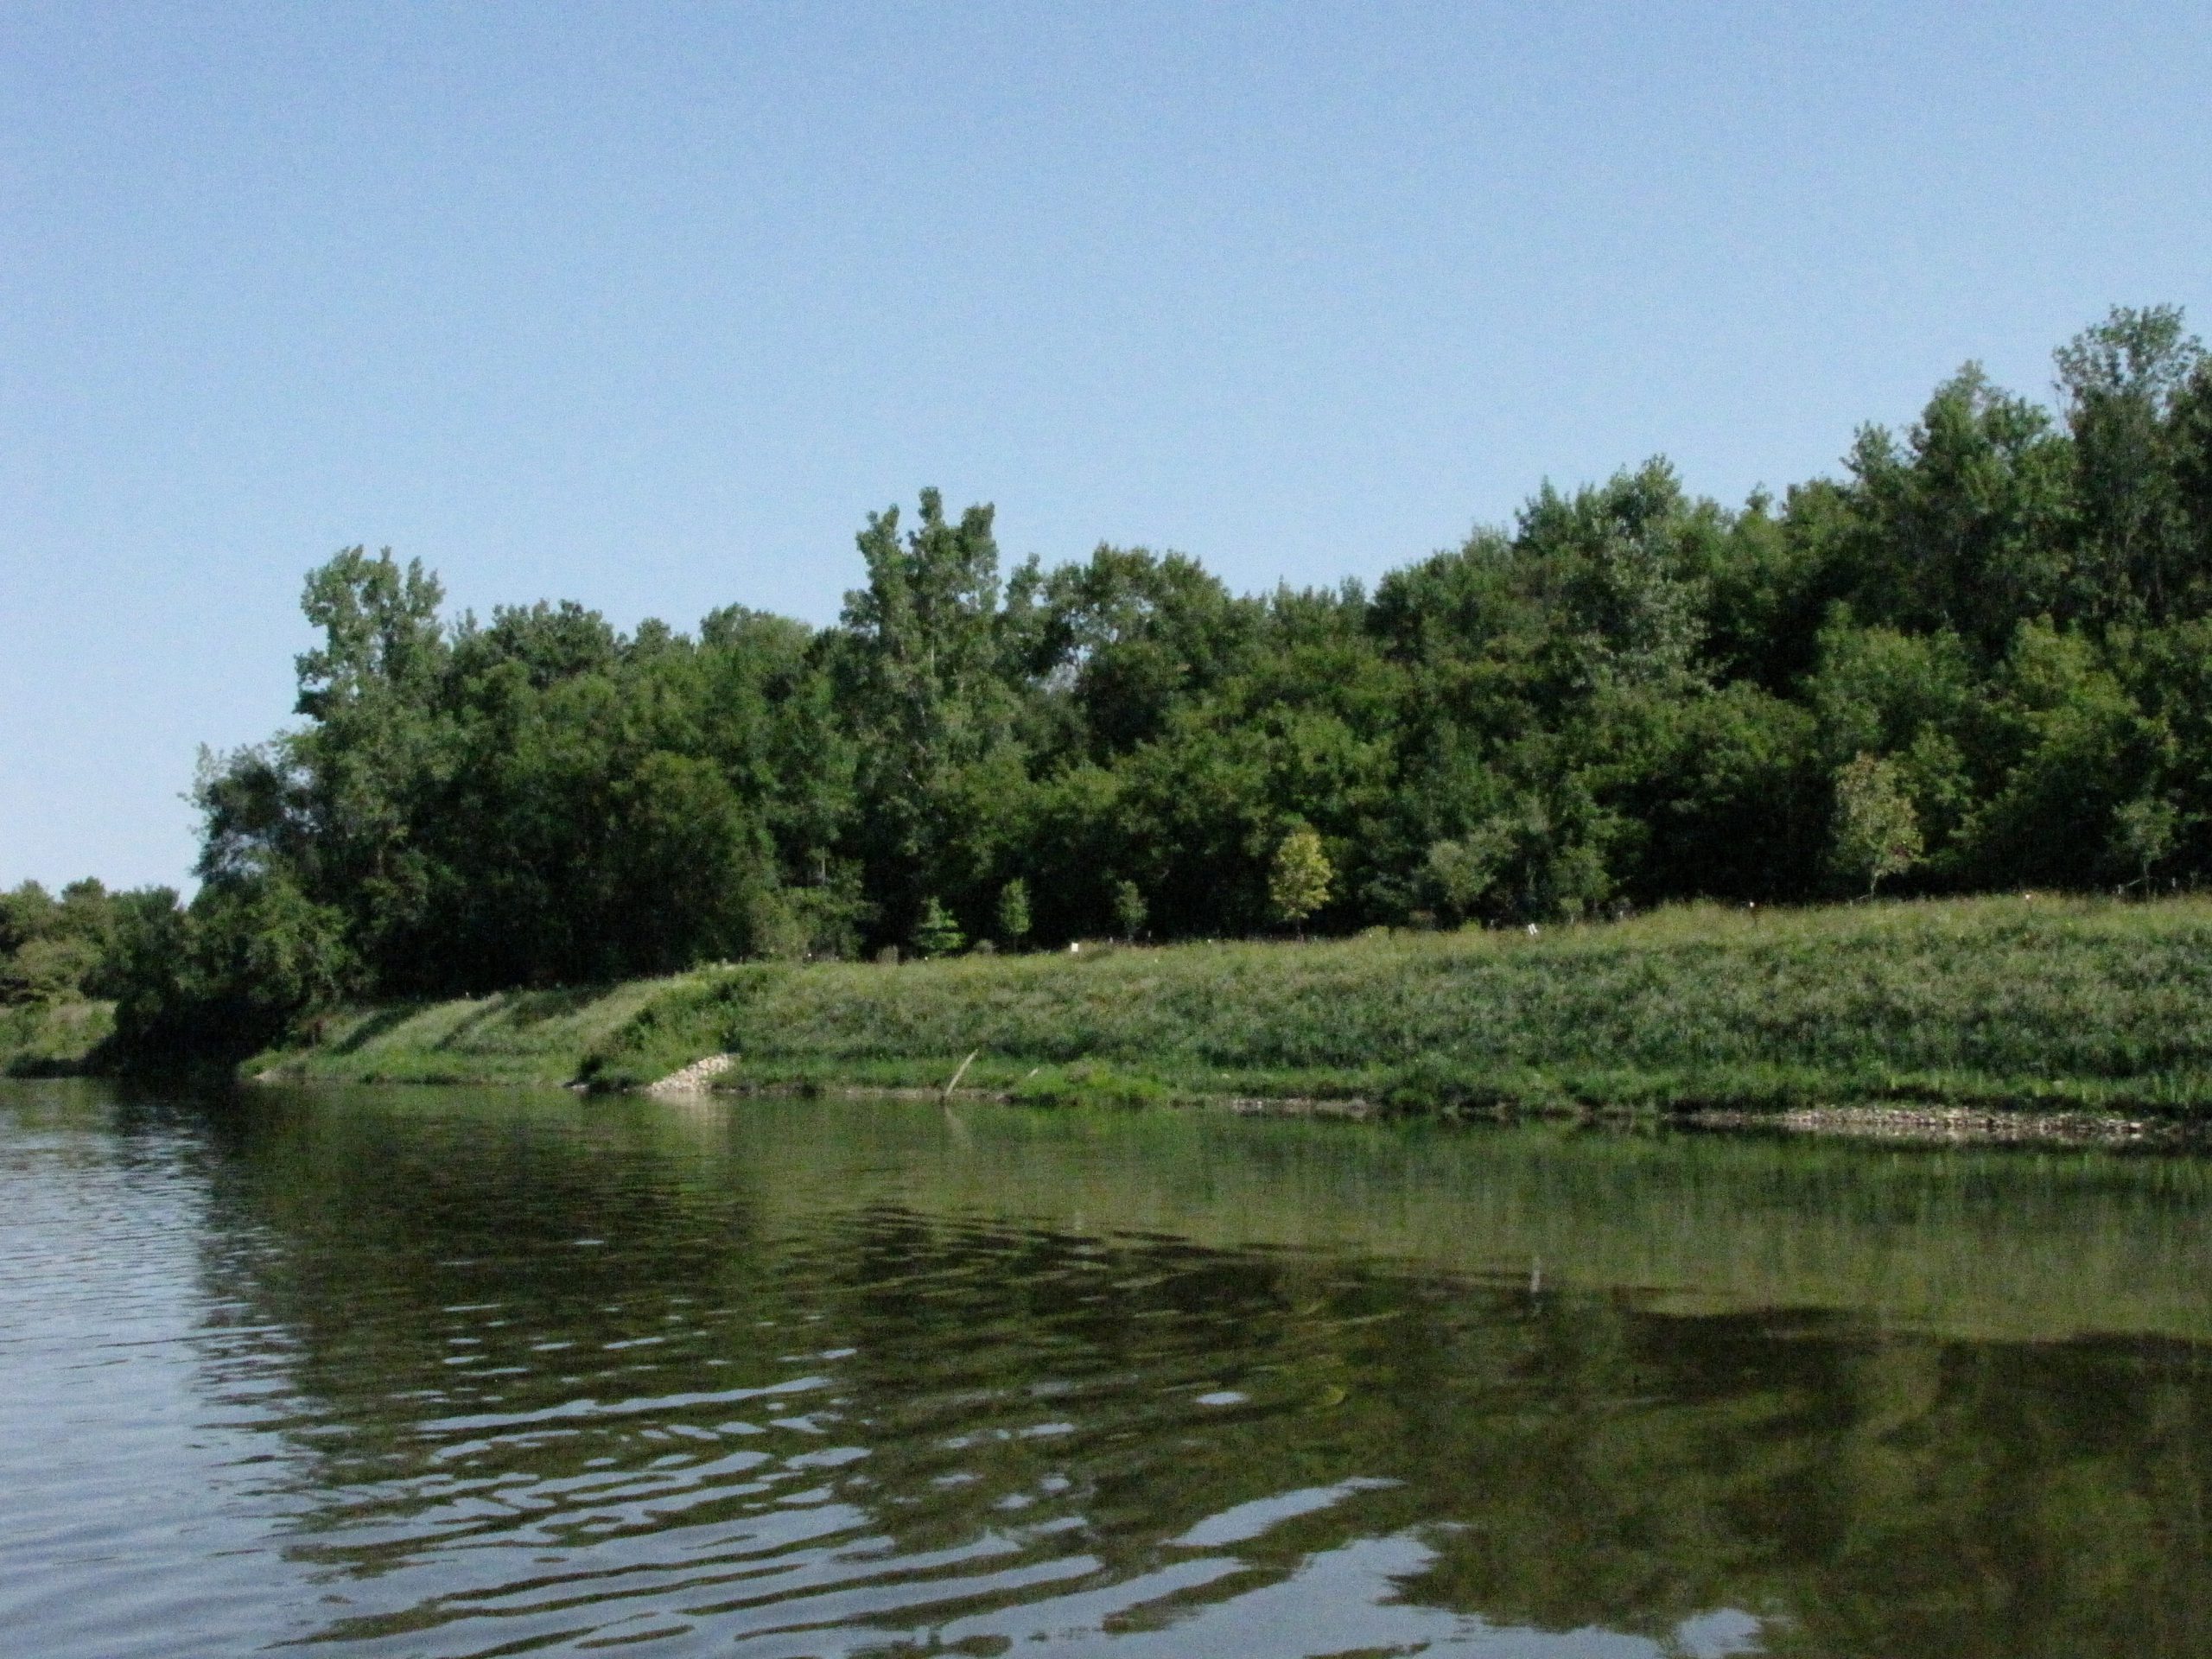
840, 1377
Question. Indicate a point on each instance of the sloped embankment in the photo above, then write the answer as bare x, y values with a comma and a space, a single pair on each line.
52, 1039
2000, 1001
514, 1036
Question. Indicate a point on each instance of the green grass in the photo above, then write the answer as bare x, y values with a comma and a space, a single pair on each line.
2010, 1001
52, 1039
516, 1037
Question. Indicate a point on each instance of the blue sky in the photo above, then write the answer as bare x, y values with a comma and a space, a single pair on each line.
647, 305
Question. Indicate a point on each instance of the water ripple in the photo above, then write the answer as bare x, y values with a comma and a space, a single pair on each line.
461, 1380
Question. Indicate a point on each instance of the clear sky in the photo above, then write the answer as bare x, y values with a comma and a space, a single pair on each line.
646, 305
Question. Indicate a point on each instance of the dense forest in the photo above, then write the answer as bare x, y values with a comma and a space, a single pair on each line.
1981, 658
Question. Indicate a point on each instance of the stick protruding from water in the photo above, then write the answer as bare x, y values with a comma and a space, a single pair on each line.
956, 1076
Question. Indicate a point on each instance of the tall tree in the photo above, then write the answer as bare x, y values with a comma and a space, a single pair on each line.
2121, 384
934, 719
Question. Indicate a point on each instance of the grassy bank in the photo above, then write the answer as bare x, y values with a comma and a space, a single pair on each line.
517, 1037
2010, 1001
52, 1039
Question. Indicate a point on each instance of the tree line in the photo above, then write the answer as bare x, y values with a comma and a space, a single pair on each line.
1980, 657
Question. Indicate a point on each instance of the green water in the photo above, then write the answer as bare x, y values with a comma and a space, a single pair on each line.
446, 1372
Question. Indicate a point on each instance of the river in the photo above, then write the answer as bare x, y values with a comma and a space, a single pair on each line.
458, 1372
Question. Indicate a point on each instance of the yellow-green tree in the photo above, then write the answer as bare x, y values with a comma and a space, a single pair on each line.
1298, 883
1876, 832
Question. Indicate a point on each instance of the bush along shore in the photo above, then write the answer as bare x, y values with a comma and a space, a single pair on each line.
64, 1038
1992, 1005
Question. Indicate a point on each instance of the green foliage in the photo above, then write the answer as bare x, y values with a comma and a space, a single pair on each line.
62, 1037
26, 913
814, 924
1628, 696
1129, 909
48, 968
936, 934
1089, 1083
2123, 383
1877, 834
1013, 911
1962, 526
607, 1036
1298, 881
2144, 831
1462, 871
56, 950
149, 975
1996, 1002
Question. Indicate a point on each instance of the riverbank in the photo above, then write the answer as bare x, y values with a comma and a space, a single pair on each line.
53, 1039
1995, 1004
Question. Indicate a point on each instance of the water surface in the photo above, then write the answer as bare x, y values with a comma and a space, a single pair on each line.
447, 1373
